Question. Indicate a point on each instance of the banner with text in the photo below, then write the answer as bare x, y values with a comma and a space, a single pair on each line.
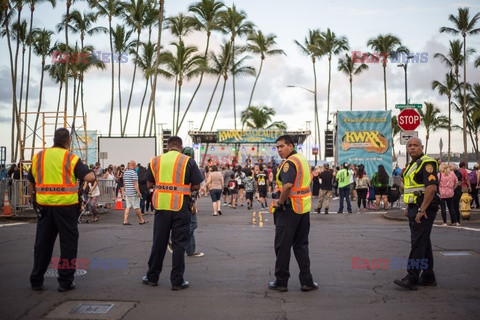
365, 137
249, 136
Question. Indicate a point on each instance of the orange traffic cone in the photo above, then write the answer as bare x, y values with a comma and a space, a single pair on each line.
119, 204
7, 210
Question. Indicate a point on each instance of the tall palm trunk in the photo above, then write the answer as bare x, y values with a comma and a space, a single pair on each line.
67, 16
157, 61
465, 155
220, 102
255, 83
174, 105
449, 126
21, 92
113, 77
120, 96
317, 124
32, 9
210, 102
385, 83
133, 82
351, 93
233, 86
39, 106
178, 105
328, 88
141, 106
16, 108
147, 118
15, 124
199, 83
58, 103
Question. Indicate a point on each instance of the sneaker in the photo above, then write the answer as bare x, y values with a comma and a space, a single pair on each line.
197, 254
66, 288
169, 246
444, 225
219, 212
318, 210
456, 224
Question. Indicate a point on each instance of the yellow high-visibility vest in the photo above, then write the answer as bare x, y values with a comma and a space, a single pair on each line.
169, 172
300, 194
55, 181
411, 189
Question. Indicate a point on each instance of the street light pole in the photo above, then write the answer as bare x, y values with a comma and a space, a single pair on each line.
317, 126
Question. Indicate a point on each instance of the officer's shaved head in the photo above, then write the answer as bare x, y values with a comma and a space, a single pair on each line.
175, 143
415, 139
61, 138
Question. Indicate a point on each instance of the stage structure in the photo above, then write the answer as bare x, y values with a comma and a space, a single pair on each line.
242, 146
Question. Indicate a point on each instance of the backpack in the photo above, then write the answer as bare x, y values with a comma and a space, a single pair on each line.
232, 184
472, 176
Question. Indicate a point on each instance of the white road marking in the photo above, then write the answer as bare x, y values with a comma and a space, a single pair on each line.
12, 224
464, 228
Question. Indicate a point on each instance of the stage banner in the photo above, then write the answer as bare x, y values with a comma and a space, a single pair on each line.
365, 137
249, 135
90, 145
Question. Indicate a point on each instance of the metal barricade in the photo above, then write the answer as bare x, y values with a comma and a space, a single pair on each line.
19, 198
3, 187
107, 191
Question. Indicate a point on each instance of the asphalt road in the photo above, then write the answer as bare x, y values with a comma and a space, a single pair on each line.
230, 281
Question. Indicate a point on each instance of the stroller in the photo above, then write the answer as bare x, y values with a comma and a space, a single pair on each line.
85, 206
393, 194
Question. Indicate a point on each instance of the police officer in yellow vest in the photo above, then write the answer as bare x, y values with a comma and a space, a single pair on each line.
420, 186
292, 216
53, 188
173, 176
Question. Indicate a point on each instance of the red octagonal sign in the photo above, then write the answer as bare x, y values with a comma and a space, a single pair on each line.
408, 119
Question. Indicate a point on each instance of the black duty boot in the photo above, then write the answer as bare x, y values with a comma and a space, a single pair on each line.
326, 210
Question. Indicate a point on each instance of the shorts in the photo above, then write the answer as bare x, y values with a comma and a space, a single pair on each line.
133, 202
249, 195
262, 193
241, 186
215, 194
226, 191
381, 191
233, 191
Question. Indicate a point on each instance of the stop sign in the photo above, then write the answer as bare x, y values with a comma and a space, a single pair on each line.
408, 119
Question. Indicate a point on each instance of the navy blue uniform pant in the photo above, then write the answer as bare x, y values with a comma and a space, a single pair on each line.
421, 246
291, 230
64, 222
178, 223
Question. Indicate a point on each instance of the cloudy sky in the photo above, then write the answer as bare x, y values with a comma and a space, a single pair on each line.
416, 23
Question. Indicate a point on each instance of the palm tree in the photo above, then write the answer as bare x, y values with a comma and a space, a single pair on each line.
260, 44
463, 25
235, 23
30, 41
347, 66
16, 110
454, 58
145, 62
395, 131
332, 45
55, 71
41, 47
180, 26
161, 11
311, 47
110, 9
260, 118
134, 15
477, 62
184, 65
19, 33
447, 89
473, 112
238, 69
206, 18
121, 44
217, 68
432, 120
385, 45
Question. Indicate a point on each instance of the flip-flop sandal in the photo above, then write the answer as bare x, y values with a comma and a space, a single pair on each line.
127, 224
144, 221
